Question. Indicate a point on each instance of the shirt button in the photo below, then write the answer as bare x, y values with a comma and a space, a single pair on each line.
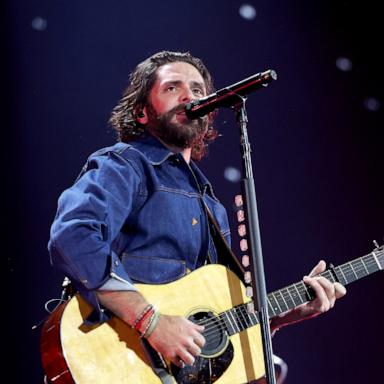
116, 263
175, 159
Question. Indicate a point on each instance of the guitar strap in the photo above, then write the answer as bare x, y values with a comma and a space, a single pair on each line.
157, 363
225, 256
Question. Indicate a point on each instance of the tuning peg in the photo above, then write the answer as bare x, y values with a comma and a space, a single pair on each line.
376, 244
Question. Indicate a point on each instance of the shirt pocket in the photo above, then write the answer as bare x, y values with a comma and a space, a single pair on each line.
153, 270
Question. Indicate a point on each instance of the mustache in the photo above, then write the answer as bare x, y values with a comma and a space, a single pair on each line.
174, 111
167, 116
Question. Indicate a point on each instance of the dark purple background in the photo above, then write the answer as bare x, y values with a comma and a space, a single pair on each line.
317, 152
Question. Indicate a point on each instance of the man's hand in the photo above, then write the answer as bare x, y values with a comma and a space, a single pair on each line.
326, 295
177, 339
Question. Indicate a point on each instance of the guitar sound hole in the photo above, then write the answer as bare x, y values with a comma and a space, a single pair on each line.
216, 338
216, 355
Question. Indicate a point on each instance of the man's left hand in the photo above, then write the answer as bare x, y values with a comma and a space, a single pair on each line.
326, 295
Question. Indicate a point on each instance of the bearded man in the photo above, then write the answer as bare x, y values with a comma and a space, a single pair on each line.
138, 212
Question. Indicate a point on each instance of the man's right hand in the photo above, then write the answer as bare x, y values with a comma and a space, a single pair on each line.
177, 339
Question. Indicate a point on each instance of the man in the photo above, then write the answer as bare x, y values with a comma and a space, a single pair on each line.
138, 211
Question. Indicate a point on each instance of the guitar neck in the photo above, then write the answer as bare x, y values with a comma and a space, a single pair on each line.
289, 297
239, 318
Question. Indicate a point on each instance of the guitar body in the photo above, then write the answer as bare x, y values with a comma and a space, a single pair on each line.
113, 353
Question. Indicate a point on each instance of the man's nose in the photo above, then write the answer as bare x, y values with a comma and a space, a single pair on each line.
187, 96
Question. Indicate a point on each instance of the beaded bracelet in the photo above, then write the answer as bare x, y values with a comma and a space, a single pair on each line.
151, 324
147, 310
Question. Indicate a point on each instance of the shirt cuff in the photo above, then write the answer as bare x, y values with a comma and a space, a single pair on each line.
116, 283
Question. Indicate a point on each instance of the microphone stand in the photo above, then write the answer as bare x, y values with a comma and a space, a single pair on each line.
260, 298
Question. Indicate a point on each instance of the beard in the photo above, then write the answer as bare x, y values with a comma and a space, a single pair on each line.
184, 134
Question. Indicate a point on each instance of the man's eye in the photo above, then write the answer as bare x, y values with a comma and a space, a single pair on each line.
171, 88
198, 91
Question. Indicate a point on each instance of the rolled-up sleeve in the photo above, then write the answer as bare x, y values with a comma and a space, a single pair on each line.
89, 217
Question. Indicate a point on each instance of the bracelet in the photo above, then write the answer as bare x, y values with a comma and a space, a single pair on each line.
151, 324
147, 310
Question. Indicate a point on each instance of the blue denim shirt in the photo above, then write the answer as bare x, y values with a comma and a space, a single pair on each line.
135, 214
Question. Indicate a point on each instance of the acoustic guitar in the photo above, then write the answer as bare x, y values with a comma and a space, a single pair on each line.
113, 353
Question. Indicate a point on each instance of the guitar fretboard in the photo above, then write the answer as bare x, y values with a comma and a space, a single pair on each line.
239, 318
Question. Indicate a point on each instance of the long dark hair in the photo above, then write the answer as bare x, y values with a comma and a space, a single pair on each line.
135, 98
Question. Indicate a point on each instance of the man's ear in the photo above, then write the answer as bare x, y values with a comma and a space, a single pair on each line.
142, 116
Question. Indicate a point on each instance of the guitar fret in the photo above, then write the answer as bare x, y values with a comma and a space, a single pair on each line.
309, 296
272, 310
299, 295
248, 309
277, 302
329, 275
243, 320
274, 303
371, 263
294, 295
234, 320
353, 271
254, 315
250, 316
291, 298
237, 319
242, 317
362, 262
230, 328
283, 300
356, 265
376, 260
343, 276
349, 272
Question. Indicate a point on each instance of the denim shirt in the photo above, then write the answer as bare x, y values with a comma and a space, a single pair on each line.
135, 214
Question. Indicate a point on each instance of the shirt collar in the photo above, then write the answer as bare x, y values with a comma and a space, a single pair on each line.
156, 153
152, 149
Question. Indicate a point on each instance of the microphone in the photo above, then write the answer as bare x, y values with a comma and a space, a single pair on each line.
229, 96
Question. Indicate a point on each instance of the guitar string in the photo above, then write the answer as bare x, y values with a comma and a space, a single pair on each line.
214, 329
215, 335
356, 269
212, 324
301, 289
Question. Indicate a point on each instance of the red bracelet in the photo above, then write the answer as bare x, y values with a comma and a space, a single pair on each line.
139, 321
142, 314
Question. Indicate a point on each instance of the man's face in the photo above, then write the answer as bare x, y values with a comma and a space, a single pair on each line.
176, 85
